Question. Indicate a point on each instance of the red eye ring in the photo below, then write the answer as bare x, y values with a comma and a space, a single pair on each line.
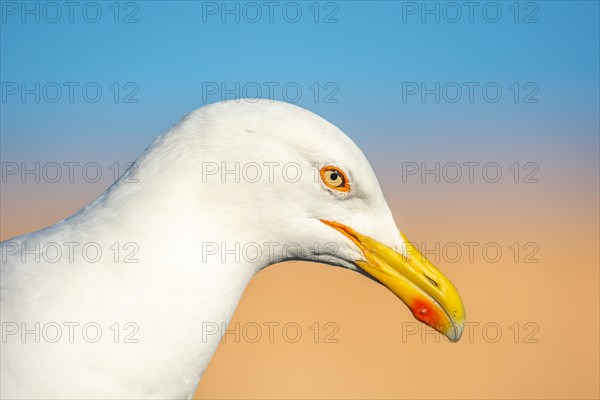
334, 178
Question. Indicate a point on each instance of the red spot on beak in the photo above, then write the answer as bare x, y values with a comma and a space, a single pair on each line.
424, 312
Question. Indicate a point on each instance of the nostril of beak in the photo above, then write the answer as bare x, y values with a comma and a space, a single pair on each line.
434, 283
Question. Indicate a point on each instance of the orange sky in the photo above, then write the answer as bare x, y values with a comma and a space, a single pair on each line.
369, 346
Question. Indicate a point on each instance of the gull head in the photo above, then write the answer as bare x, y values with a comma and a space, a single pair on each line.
286, 180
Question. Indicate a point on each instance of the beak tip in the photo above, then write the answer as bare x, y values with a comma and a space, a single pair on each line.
454, 333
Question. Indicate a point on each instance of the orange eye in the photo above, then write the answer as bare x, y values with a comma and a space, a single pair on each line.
334, 178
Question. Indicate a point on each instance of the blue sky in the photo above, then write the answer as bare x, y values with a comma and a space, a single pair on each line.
177, 48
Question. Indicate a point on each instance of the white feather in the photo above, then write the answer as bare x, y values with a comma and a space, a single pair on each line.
173, 211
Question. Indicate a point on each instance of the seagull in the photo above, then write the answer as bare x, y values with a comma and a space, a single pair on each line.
128, 298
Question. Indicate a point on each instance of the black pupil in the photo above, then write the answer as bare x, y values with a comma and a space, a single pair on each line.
334, 176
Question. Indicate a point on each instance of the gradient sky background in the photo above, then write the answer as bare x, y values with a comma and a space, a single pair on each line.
369, 55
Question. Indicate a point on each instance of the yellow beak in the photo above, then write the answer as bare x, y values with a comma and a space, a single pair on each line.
430, 296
